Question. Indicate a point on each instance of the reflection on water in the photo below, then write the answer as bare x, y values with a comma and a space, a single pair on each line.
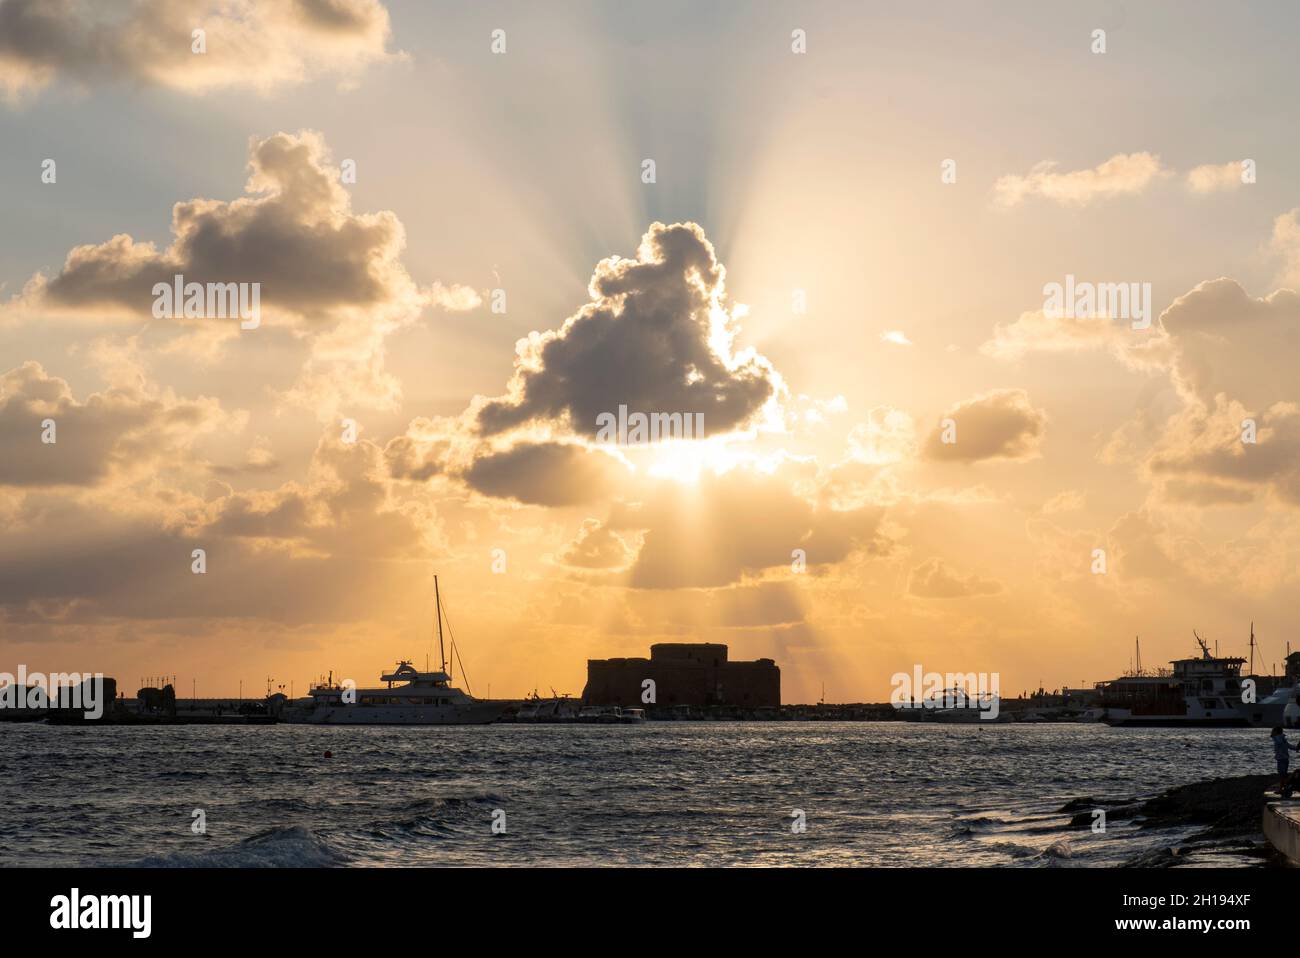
894, 794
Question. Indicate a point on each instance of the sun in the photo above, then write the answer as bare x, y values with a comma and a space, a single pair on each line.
685, 461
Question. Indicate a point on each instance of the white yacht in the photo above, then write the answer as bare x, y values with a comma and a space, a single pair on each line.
409, 697
422, 698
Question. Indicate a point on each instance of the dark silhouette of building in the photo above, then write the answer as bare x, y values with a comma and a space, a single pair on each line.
695, 674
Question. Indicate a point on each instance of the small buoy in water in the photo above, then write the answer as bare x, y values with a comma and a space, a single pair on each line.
329, 754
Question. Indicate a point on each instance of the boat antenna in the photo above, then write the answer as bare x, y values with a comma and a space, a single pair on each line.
1252, 648
437, 598
1137, 642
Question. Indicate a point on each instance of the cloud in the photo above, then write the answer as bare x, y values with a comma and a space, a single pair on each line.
1040, 332
597, 547
764, 604
1069, 500
1285, 244
546, 474
1229, 342
412, 460
932, 579
656, 337
1000, 424
295, 234
336, 547
895, 336
69, 562
323, 271
1211, 178
258, 459
250, 44
1231, 360
736, 524
1201, 493
1122, 174
887, 436
1143, 548
345, 509
1203, 457
114, 435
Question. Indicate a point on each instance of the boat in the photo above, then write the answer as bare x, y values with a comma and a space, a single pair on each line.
1276, 708
530, 710
1196, 692
601, 714
558, 710
409, 697
955, 706
552, 711
632, 716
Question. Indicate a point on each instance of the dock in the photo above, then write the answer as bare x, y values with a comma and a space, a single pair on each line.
1282, 827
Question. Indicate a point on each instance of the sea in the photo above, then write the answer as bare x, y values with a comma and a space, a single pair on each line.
895, 794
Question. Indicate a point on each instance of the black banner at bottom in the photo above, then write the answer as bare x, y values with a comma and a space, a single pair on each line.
640, 908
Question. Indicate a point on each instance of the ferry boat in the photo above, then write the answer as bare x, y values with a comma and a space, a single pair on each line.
1203, 692
409, 697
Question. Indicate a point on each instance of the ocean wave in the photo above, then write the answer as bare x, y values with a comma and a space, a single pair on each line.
1059, 851
292, 847
436, 817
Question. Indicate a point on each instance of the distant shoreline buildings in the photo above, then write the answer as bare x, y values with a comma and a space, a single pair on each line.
698, 675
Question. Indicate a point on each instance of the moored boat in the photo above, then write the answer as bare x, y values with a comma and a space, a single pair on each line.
409, 697
1203, 692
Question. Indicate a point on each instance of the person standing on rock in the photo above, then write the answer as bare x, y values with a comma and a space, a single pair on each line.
1280, 748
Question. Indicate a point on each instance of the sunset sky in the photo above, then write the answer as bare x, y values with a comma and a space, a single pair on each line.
516, 177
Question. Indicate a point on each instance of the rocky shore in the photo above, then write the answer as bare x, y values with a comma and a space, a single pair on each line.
1228, 812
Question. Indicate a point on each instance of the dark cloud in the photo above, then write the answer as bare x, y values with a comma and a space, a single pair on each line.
643, 342
547, 474
295, 235
1001, 424
334, 548
256, 45
68, 562
116, 431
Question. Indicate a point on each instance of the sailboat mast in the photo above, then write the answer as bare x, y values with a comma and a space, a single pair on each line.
437, 598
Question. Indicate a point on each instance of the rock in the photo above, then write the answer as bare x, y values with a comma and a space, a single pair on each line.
1226, 805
